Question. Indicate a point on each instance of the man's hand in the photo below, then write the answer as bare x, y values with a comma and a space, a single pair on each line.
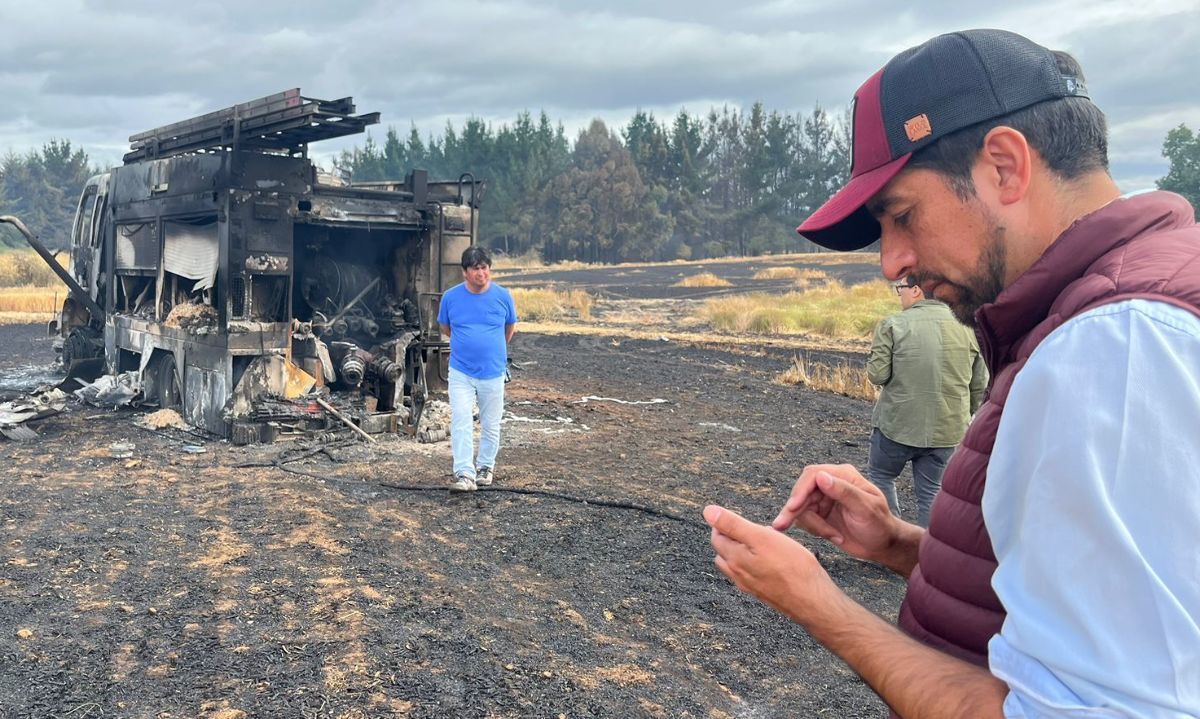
769, 565
915, 680
837, 503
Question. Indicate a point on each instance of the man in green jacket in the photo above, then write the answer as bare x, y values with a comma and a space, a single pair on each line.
932, 378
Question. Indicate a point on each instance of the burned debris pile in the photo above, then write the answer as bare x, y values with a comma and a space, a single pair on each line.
14, 414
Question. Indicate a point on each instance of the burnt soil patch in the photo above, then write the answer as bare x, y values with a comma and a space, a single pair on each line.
299, 580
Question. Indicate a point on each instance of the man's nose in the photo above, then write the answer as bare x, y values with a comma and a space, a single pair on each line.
897, 256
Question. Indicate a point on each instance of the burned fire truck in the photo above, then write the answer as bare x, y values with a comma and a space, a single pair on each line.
217, 266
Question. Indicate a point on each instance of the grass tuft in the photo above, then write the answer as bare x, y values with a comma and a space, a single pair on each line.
535, 304
832, 310
843, 379
788, 272
704, 279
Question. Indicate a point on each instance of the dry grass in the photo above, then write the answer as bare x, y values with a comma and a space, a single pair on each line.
709, 338
31, 299
704, 279
545, 303
832, 310
25, 305
842, 379
788, 272
25, 268
533, 261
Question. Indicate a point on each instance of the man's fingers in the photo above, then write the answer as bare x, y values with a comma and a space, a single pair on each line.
729, 523
845, 493
724, 546
730, 573
804, 494
816, 525
788, 516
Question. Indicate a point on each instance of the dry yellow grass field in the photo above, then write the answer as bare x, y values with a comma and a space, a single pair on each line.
530, 261
25, 268
703, 279
31, 299
543, 303
842, 379
22, 305
833, 310
29, 289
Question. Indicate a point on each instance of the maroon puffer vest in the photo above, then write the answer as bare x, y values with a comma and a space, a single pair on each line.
1145, 246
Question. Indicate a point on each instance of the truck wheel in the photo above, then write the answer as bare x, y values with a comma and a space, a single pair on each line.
150, 383
167, 382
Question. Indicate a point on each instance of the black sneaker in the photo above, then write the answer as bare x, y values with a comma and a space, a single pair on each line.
483, 476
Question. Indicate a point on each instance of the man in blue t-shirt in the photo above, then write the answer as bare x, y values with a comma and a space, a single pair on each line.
479, 317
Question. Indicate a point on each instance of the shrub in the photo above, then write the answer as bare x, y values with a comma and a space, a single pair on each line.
704, 279
832, 309
843, 379
543, 303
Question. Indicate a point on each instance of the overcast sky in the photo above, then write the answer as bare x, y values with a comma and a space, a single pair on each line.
96, 72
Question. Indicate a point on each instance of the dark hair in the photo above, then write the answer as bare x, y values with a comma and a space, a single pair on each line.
1069, 133
474, 256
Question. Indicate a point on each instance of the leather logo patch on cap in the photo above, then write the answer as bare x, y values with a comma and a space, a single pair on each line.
918, 127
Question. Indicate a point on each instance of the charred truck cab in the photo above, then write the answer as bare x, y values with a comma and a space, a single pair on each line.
233, 280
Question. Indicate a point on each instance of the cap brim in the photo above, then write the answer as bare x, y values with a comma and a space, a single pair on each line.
842, 223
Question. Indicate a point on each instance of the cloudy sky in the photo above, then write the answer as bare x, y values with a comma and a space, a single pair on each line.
96, 71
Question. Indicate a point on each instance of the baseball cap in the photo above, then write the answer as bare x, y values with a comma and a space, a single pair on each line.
925, 93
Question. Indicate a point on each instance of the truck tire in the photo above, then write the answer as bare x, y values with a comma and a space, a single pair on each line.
150, 383
166, 382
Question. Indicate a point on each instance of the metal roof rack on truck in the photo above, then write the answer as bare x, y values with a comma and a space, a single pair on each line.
281, 123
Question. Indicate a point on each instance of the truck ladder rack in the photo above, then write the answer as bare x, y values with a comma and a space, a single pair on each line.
281, 123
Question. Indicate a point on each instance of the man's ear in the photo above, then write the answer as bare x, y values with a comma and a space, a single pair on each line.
1006, 164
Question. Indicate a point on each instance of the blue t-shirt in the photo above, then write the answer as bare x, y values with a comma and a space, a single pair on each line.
477, 322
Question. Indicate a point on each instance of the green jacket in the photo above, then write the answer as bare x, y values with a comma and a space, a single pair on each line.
931, 374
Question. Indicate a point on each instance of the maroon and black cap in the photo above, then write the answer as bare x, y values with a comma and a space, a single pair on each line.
924, 93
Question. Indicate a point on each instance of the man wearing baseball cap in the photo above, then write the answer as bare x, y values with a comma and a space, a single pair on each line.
1060, 573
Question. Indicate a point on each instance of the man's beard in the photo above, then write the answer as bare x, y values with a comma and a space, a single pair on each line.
983, 286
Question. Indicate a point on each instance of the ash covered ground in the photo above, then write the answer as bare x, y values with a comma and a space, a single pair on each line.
304, 580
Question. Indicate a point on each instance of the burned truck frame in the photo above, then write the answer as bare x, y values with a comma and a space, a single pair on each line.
215, 265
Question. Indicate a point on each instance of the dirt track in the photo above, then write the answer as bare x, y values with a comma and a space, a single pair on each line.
191, 585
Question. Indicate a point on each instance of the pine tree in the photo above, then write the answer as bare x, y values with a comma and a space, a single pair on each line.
43, 187
600, 210
1182, 148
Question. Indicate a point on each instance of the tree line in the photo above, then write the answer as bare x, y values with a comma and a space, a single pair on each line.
42, 188
728, 183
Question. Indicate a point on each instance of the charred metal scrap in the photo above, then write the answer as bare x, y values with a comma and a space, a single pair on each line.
40, 404
238, 284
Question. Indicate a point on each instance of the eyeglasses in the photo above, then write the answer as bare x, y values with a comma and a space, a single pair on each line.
901, 288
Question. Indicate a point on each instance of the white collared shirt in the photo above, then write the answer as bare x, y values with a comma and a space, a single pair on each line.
1093, 506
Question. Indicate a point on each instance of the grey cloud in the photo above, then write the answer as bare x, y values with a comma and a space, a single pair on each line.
98, 72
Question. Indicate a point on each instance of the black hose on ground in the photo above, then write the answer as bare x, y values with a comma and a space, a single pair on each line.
511, 490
